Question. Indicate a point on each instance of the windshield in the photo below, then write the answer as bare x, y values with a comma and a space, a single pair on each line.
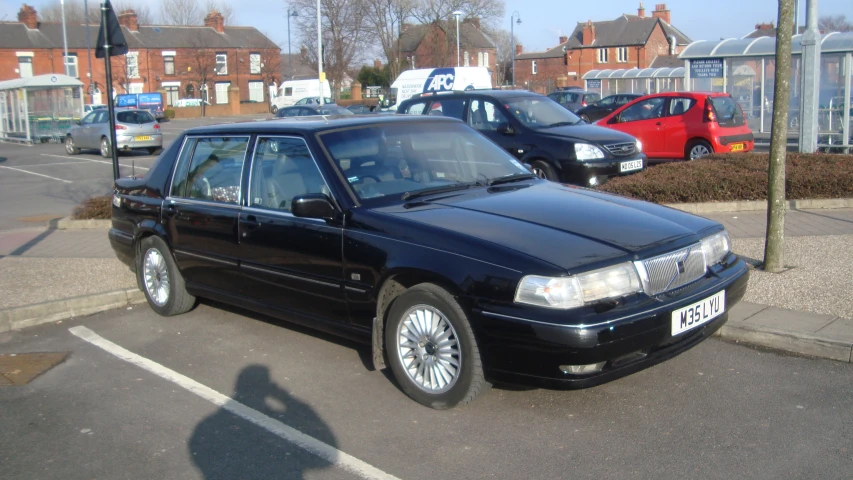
395, 159
541, 112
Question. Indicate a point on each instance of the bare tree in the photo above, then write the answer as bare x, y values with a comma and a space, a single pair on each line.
430, 11
345, 38
385, 19
181, 12
773, 246
270, 67
504, 50
198, 69
834, 23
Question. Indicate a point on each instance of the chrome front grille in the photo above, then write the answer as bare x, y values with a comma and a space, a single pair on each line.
621, 149
673, 270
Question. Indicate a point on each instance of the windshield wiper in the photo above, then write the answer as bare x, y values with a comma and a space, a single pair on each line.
561, 124
513, 177
439, 189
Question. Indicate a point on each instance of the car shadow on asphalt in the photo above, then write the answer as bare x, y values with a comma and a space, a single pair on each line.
225, 446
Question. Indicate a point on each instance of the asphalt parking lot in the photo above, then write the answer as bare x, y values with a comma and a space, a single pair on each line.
43, 182
224, 393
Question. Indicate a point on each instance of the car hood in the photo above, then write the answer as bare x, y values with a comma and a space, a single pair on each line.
587, 133
569, 227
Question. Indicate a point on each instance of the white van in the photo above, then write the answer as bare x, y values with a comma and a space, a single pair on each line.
291, 91
425, 80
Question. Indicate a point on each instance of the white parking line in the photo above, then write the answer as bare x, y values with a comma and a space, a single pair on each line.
54, 164
93, 160
39, 174
290, 434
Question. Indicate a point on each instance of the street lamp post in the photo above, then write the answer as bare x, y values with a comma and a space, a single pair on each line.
320, 54
290, 13
89, 52
457, 14
517, 16
64, 38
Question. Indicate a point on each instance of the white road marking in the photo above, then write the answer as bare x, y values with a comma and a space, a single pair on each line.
54, 164
39, 174
288, 433
93, 160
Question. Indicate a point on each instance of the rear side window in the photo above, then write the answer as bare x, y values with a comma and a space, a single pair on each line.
134, 117
210, 168
592, 97
417, 108
679, 106
448, 107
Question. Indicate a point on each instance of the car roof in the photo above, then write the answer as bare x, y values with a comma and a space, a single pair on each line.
488, 93
313, 124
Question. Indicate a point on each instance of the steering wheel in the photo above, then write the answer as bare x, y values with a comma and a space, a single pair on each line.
372, 177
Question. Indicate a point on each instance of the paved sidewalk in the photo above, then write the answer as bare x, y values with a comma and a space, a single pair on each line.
48, 274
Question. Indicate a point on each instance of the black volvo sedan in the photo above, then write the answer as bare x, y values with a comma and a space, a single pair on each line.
425, 239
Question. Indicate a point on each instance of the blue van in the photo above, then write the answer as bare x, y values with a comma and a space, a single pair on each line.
153, 102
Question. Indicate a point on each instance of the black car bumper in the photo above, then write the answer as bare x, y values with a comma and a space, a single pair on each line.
628, 338
122, 244
594, 172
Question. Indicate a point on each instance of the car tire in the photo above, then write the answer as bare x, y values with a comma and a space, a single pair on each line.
585, 118
543, 169
422, 316
70, 148
154, 150
106, 152
273, 109
162, 283
697, 149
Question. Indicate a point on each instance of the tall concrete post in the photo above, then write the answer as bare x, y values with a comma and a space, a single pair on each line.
810, 85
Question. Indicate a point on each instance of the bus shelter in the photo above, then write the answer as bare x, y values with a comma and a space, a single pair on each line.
635, 80
745, 68
40, 108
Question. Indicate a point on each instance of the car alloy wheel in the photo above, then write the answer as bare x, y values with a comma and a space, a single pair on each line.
429, 349
698, 151
585, 118
105, 148
156, 277
70, 148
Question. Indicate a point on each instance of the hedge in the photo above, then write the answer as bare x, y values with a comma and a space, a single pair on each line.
95, 208
734, 177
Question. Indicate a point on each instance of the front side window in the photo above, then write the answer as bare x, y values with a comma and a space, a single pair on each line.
417, 108
89, 119
536, 112
132, 65
255, 63
607, 101
281, 170
169, 65
221, 64
448, 107
391, 159
647, 109
210, 169
485, 116
71, 65
288, 91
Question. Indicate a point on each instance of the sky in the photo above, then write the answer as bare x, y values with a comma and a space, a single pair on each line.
544, 21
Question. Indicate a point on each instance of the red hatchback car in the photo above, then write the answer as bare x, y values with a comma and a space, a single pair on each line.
686, 125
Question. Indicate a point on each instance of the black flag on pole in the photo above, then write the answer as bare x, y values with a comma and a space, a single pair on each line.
118, 45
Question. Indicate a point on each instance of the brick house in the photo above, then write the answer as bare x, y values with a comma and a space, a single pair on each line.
181, 62
434, 45
625, 42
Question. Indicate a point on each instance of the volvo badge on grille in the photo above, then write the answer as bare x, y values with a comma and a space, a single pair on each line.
679, 269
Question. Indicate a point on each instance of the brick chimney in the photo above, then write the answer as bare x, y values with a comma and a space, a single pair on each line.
128, 19
588, 33
518, 49
661, 12
377, 64
475, 21
641, 12
563, 39
29, 17
215, 20
765, 26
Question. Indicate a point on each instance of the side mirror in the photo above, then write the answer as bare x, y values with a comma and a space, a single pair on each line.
529, 167
505, 129
312, 205
615, 119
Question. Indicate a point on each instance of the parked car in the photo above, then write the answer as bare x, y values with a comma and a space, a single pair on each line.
361, 108
314, 101
557, 145
573, 98
686, 125
312, 109
135, 130
422, 238
604, 107
189, 102
90, 107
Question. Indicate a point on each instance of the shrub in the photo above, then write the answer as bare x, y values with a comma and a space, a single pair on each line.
735, 177
169, 113
95, 208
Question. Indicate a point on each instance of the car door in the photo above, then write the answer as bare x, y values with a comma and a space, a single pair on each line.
644, 120
675, 125
80, 133
290, 263
99, 128
487, 118
201, 213
602, 108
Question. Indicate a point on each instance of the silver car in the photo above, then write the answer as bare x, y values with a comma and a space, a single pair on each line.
135, 129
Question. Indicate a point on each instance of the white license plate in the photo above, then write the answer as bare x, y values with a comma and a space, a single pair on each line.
632, 165
703, 311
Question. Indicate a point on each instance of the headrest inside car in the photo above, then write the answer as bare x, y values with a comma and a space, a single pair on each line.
353, 147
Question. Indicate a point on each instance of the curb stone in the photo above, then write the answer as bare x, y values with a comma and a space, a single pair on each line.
67, 223
17, 318
799, 343
761, 205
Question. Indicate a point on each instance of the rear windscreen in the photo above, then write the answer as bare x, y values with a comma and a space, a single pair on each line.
135, 117
727, 111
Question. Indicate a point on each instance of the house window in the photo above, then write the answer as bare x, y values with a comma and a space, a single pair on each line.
533, 67
221, 64
256, 91
172, 94
169, 65
485, 62
255, 63
190, 91
70, 65
136, 88
132, 65
603, 56
622, 54
25, 66
222, 92
467, 59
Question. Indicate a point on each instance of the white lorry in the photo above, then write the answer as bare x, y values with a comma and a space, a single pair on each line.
426, 80
291, 91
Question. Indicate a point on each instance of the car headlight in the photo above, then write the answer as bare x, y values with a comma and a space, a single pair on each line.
578, 290
716, 247
585, 151
639, 146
